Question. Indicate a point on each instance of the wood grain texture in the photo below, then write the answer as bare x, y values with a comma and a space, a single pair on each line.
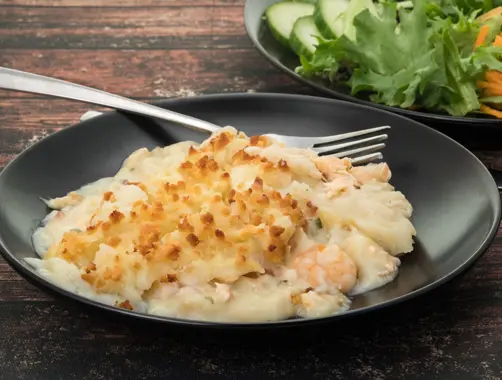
152, 49
155, 74
124, 28
15, 288
119, 3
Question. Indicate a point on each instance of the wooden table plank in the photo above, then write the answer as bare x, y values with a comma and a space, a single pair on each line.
16, 289
158, 73
119, 3
170, 27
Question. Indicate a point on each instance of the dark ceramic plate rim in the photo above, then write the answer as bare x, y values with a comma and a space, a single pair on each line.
26, 271
341, 96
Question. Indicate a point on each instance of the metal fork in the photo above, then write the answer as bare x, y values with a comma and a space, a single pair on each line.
359, 150
362, 150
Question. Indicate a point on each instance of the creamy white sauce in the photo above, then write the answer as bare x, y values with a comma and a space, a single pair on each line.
267, 297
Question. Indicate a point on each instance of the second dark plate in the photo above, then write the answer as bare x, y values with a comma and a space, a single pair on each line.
285, 60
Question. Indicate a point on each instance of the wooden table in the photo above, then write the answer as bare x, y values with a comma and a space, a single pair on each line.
149, 49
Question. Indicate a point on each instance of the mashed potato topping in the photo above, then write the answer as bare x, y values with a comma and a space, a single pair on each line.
235, 229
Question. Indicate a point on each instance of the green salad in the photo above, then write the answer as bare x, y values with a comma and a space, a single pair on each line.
432, 55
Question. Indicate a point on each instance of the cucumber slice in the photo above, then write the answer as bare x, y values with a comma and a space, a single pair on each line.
329, 15
303, 39
353, 10
281, 18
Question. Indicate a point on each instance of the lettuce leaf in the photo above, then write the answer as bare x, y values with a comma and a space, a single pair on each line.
450, 7
416, 61
391, 65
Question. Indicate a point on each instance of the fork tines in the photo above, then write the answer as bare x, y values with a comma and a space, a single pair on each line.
360, 150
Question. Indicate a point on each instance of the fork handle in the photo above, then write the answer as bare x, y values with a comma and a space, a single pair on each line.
27, 82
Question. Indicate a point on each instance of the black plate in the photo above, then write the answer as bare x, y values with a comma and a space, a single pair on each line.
457, 205
285, 60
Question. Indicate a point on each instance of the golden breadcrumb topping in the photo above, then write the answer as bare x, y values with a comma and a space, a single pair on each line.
236, 228
203, 222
